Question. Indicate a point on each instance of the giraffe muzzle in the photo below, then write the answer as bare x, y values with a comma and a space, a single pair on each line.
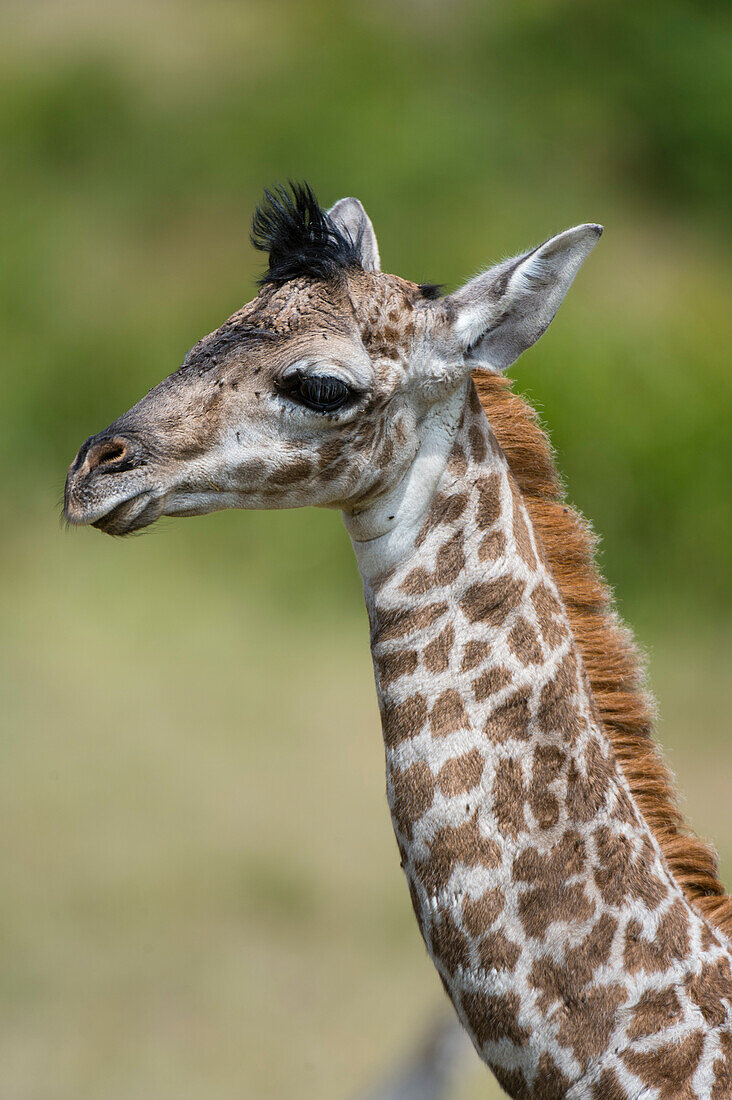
108, 485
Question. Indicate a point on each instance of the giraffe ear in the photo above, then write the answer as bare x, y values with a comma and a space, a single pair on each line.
499, 314
349, 216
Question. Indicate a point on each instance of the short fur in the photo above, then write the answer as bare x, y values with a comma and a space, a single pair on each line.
612, 660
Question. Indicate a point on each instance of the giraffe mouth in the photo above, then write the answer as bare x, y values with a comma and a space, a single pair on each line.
130, 515
109, 484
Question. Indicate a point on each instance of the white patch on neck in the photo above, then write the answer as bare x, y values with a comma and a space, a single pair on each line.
385, 531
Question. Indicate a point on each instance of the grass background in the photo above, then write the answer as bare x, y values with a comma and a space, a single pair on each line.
199, 891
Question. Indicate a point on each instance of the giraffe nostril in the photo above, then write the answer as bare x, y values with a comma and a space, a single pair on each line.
110, 455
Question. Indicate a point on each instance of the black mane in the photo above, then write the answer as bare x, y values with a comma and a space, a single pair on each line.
300, 238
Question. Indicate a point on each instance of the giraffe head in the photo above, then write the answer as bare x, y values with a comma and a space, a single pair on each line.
319, 389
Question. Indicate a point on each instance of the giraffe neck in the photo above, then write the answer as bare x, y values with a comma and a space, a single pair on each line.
542, 896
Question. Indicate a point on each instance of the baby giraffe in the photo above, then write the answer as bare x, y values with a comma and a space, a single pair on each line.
579, 930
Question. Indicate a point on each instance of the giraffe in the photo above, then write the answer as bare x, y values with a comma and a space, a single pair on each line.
579, 930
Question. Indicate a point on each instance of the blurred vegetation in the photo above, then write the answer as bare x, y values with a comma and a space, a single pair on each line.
137, 138
192, 763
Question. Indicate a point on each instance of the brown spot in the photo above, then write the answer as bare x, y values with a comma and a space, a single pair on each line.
565, 982
479, 914
474, 654
338, 468
461, 774
545, 808
457, 844
624, 810
670, 942
494, 1018
524, 644
508, 798
608, 1087
404, 720
709, 989
449, 508
670, 1068
450, 560
557, 706
491, 601
549, 615
521, 534
621, 873
449, 944
445, 509
478, 446
550, 1083
722, 1086
511, 720
552, 902
594, 951
551, 980
493, 680
511, 1081
329, 453
655, 1010
475, 403
492, 547
708, 938
587, 790
393, 666
252, 472
552, 898
489, 501
448, 714
413, 790
417, 582
436, 655
497, 952
299, 470
386, 453
398, 623
614, 853
548, 763
457, 463
566, 858
590, 1021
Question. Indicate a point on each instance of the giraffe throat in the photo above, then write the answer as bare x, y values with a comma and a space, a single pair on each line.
568, 949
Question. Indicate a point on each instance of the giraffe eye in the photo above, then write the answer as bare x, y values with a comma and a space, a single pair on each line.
321, 392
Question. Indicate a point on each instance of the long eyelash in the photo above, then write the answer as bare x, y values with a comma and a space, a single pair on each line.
292, 385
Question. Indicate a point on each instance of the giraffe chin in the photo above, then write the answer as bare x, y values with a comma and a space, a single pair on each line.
131, 515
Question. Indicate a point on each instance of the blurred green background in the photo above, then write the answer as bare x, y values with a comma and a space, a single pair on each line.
199, 891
